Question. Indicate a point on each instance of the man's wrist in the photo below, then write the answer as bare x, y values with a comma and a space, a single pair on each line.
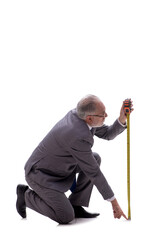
114, 202
122, 122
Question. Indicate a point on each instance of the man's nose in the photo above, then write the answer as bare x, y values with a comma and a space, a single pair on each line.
106, 115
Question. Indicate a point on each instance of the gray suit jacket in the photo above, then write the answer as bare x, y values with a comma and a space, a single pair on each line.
54, 163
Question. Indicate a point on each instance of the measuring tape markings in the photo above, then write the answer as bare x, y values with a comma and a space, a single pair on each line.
127, 108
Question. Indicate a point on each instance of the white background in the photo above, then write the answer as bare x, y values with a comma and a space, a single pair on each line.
52, 53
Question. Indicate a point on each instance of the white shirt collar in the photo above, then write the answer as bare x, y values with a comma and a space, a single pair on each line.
89, 127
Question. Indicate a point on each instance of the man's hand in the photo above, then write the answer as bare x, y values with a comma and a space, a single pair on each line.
123, 117
117, 211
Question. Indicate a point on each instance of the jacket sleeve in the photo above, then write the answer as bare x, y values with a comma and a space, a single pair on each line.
81, 151
110, 132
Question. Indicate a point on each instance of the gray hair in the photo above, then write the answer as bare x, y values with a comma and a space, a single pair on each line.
87, 106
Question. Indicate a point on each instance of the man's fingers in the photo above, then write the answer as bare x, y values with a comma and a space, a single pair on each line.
124, 216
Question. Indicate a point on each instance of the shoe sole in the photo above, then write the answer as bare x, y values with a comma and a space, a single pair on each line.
20, 188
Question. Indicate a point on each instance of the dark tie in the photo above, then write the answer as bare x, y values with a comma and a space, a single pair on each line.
92, 131
73, 185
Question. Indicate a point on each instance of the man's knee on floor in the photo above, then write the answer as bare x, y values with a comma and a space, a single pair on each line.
97, 157
66, 216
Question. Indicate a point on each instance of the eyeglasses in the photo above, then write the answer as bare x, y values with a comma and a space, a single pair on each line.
99, 115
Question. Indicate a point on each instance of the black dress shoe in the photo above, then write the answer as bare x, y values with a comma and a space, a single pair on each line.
20, 204
80, 212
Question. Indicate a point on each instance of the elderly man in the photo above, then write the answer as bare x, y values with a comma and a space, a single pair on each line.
65, 151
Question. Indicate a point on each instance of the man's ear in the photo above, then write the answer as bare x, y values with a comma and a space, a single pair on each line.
89, 120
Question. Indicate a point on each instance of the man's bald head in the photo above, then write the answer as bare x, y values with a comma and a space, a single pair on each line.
87, 105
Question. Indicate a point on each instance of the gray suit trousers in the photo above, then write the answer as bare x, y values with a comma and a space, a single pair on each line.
55, 204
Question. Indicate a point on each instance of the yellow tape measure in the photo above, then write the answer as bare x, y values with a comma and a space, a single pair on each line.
128, 165
127, 107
